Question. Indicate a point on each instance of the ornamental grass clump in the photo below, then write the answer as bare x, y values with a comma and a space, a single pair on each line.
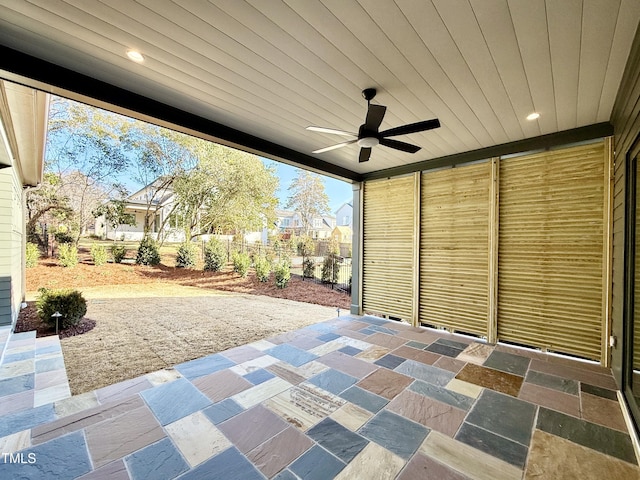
98, 254
68, 302
186, 256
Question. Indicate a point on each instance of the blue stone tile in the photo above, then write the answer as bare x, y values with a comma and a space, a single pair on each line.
452, 343
317, 464
285, 475
174, 400
441, 349
259, 376
389, 361
598, 391
16, 357
62, 458
290, 354
386, 330
18, 421
49, 364
442, 394
427, 373
374, 320
333, 381
327, 337
552, 381
495, 445
204, 366
507, 362
418, 345
367, 331
158, 461
23, 335
349, 350
22, 383
48, 349
504, 415
320, 327
395, 433
221, 411
228, 465
365, 399
340, 441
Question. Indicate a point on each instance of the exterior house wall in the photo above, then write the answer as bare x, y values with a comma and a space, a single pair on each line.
344, 215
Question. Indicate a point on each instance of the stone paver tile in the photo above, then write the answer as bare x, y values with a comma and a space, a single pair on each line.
228, 465
286, 372
395, 433
261, 345
490, 378
249, 429
351, 416
48, 462
465, 388
385, 383
278, 452
508, 362
373, 353
422, 356
328, 347
16, 402
384, 340
347, 364
584, 375
496, 445
158, 461
476, 353
562, 402
442, 394
467, 460
549, 453
598, 391
553, 382
339, 440
122, 390
204, 366
18, 421
447, 363
48, 364
10, 386
442, 349
333, 381
423, 467
306, 343
242, 353
165, 375
254, 364
365, 399
197, 438
120, 436
75, 404
602, 411
373, 461
14, 369
224, 410
317, 464
220, 385
112, 471
259, 376
426, 373
51, 379
15, 442
174, 400
428, 412
51, 394
293, 355
259, 393
16, 357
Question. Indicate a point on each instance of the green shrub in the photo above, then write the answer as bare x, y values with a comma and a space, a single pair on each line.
263, 268
63, 237
282, 274
32, 254
241, 263
308, 268
118, 252
148, 253
68, 302
215, 255
187, 254
68, 255
98, 254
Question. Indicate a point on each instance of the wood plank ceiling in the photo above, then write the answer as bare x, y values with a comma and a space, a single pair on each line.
271, 68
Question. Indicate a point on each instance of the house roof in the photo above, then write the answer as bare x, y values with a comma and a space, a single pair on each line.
255, 74
344, 230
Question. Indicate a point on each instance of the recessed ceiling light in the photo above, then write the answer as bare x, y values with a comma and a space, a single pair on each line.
135, 56
533, 116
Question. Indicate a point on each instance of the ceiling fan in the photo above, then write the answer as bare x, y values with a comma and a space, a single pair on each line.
368, 135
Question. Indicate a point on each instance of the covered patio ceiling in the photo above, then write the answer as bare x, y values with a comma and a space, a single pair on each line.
254, 74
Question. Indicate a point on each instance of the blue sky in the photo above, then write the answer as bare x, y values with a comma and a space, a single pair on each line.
338, 191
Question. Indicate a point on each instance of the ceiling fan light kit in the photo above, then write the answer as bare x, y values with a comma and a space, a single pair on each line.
368, 134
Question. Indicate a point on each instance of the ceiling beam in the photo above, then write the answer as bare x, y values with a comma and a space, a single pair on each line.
42, 72
542, 142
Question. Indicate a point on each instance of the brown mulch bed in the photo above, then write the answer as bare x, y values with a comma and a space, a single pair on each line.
29, 320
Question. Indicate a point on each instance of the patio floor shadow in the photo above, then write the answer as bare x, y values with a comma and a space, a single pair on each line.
350, 398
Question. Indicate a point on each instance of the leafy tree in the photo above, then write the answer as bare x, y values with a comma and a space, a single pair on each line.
308, 198
115, 215
47, 205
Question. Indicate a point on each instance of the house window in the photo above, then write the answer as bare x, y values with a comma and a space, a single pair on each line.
345, 220
285, 222
317, 222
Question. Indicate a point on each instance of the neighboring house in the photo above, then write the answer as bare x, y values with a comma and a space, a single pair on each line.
342, 234
291, 222
344, 215
23, 127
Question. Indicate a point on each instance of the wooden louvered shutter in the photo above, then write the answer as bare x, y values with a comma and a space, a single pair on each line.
552, 250
388, 247
455, 248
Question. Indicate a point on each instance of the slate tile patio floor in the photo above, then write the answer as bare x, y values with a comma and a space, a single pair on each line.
351, 398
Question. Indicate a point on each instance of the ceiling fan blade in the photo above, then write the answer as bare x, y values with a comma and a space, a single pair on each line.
375, 114
333, 131
411, 128
405, 147
333, 147
365, 154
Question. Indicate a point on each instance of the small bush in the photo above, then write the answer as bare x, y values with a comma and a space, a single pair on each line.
308, 268
63, 237
214, 255
330, 269
98, 254
148, 253
68, 255
118, 252
282, 273
32, 254
68, 302
241, 263
186, 257
263, 268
